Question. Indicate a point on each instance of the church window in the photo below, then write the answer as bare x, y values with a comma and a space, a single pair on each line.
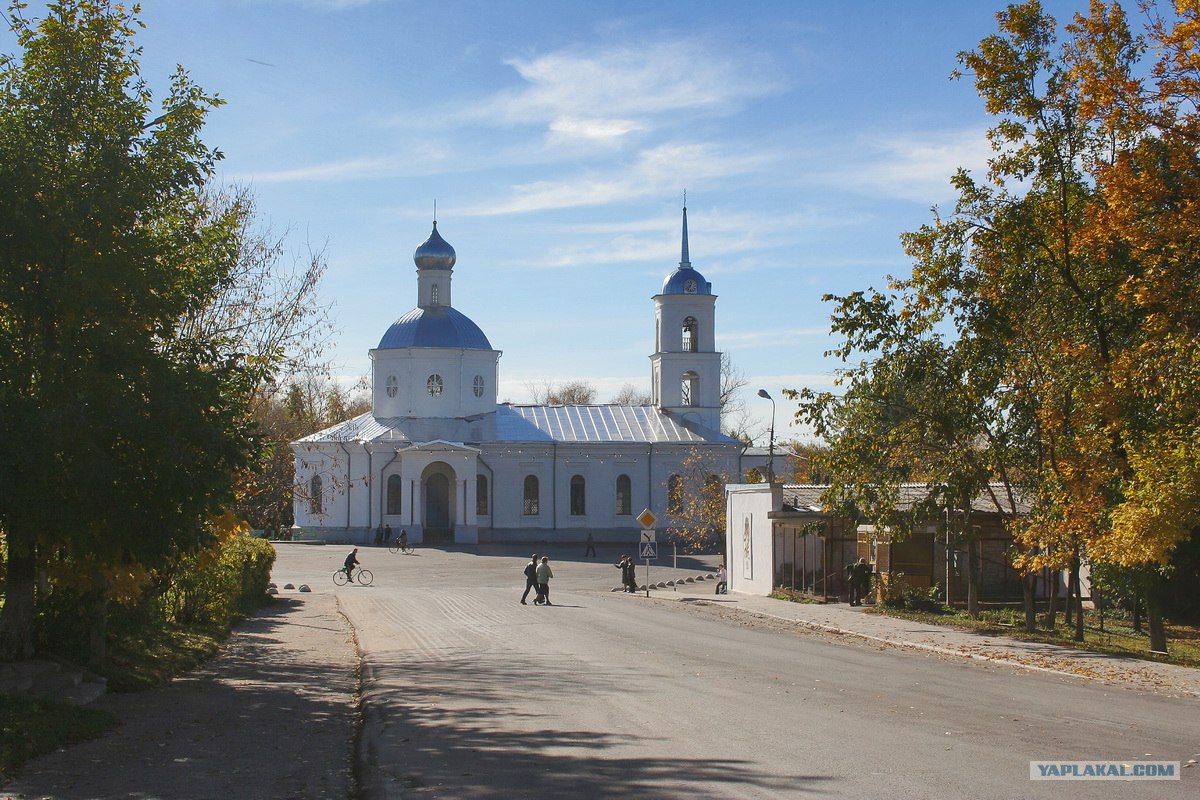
395, 491
578, 508
624, 496
314, 495
479, 386
674, 494
530, 508
690, 334
392, 386
690, 395
434, 385
481, 495
433, 295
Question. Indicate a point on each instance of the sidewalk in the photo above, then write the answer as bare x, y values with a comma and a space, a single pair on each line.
272, 716
842, 619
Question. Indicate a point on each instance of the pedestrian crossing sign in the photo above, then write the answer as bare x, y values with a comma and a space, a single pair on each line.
649, 551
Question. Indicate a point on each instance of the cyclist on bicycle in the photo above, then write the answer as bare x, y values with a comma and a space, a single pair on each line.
403, 539
349, 565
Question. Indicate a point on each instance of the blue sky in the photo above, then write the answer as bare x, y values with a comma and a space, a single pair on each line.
558, 138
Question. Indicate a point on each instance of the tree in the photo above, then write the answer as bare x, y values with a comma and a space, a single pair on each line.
119, 436
1069, 271
735, 419
630, 395
696, 502
568, 393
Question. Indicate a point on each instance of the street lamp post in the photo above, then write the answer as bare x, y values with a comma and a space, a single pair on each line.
771, 449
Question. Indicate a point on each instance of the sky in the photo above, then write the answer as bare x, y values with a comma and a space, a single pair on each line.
557, 140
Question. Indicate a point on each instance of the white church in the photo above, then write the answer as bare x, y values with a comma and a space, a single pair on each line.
439, 457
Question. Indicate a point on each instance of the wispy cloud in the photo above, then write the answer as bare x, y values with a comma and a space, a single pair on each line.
656, 171
607, 93
912, 166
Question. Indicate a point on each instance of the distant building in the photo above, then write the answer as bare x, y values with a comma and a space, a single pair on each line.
439, 457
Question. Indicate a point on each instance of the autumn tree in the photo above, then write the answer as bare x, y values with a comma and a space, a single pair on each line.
119, 436
1073, 262
696, 501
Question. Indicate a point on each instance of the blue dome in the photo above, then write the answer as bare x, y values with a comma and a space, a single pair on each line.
437, 326
435, 252
686, 280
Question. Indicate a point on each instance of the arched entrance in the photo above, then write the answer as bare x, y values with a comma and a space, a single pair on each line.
437, 492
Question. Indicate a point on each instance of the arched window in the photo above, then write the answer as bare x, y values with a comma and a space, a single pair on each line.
690, 334
481, 495
315, 487
690, 395
392, 386
624, 496
395, 493
577, 496
674, 494
434, 385
478, 386
530, 508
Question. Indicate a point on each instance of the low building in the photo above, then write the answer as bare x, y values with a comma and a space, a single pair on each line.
783, 537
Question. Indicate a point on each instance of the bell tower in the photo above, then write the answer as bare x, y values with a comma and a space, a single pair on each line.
685, 374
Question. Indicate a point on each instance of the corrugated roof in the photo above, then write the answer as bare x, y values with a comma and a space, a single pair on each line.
808, 497
533, 424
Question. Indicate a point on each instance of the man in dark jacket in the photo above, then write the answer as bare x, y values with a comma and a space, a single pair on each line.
530, 577
628, 573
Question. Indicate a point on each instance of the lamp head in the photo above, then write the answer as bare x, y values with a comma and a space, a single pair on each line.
763, 394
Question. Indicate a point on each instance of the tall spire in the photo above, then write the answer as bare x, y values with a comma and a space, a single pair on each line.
684, 262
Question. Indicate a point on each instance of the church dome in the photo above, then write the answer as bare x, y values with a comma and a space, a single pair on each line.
686, 280
435, 326
435, 252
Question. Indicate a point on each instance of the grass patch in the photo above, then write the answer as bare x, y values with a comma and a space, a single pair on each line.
142, 658
1117, 638
31, 727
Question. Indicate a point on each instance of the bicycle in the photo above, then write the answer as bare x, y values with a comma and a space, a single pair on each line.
362, 577
401, 547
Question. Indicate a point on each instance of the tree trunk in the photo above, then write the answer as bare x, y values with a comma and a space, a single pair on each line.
17, 616
1137, 616
972, 578
1052, 611
1028, 584
1077, 599
1158, 628
1069, 606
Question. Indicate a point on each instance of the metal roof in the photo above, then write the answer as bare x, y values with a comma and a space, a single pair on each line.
435, 326
807, 497
530, 424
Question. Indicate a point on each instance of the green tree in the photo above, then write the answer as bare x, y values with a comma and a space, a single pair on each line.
118, 437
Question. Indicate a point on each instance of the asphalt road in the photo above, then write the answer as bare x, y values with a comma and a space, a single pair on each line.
469, 694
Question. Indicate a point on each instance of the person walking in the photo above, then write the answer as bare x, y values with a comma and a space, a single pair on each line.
387, 534
530, 577
722, 580
543, 580
858, 576
591, 547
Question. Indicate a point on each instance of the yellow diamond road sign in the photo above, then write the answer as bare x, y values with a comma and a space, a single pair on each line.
647, 519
